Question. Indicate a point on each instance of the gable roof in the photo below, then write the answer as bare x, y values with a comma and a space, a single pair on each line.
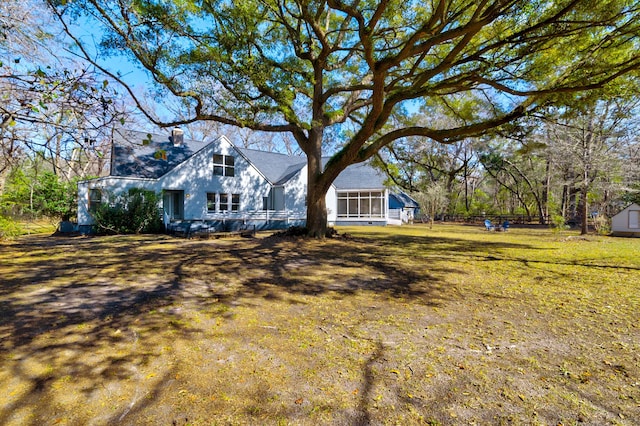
632, 206
133, 156
404, 199
360, 176
276, 168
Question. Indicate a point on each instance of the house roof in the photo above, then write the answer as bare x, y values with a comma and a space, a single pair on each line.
404, 199
277, 168
145, 155
359, 176
632, 206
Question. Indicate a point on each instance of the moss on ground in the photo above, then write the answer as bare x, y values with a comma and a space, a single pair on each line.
453, 325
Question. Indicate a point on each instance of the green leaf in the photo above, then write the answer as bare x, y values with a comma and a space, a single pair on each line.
148, 139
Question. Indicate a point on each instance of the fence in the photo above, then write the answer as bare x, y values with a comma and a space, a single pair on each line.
513, 219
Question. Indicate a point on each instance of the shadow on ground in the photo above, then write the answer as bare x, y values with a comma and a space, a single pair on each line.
84, 310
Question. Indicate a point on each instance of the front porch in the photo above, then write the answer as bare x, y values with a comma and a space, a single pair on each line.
235, 222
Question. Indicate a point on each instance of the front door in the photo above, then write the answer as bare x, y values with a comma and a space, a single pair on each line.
173, 205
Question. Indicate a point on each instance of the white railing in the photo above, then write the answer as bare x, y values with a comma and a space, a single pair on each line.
258, 215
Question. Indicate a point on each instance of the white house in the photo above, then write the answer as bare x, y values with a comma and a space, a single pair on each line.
627, 222
228, 187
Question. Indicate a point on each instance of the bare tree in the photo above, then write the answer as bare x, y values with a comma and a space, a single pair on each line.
590, 148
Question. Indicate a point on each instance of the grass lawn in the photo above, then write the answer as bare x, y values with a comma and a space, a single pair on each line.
448, 326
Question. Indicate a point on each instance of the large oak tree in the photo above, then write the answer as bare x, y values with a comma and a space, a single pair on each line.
335, 71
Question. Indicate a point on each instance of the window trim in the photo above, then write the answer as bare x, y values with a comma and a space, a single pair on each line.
223, 202
212, 197
351, 204
95, 202
224, 165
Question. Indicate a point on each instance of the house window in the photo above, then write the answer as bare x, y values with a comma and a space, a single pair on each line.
364, 204
221, 202
223, 165
95, 199
211, 202
224, 202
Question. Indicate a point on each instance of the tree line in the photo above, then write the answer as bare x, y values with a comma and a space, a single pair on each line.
566, 167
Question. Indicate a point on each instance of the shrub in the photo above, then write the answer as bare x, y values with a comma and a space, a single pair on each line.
42, 194
132, 212
602, 224
558, 223
8, 228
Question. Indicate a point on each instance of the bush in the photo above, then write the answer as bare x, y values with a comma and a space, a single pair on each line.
602, 225
133, 212
8, 228
558, 223
42, 194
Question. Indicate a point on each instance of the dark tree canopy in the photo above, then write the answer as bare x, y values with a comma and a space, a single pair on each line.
337, 71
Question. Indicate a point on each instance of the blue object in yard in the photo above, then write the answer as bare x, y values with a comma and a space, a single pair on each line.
488, 225
505, 225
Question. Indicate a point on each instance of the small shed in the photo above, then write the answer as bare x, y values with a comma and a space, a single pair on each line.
627, 222
403, 202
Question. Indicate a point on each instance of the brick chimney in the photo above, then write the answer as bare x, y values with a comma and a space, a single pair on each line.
177, 137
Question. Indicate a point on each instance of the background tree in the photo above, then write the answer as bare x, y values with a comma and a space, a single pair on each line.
32, 190
331, 73
631, 161
56, 114
516, 168
588, 146
417, 164
433, 199
51, 101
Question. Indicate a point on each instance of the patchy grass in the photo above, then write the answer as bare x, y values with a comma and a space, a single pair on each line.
453, 325
39, 226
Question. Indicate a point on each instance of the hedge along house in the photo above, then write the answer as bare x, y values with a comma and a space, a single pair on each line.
228, 187
627, 222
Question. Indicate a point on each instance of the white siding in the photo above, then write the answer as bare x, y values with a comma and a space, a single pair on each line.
295, 192
332, 206
626, 222
108, 185
195, 177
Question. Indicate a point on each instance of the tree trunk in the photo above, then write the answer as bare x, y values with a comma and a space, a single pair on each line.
316, 192
584, 210
466, 188
546, 195
316, 211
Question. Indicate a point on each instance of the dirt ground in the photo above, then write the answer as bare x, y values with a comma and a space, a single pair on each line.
391, 328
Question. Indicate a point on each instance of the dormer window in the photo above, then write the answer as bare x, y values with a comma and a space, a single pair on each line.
223, 165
